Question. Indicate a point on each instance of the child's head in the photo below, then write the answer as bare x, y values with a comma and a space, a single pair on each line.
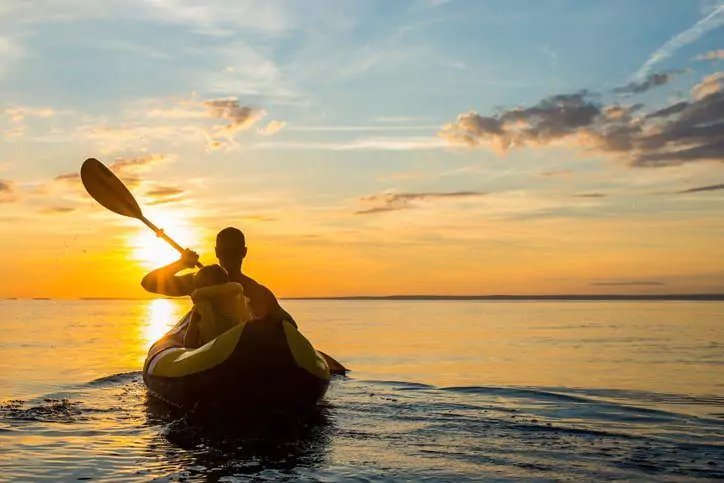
210, 275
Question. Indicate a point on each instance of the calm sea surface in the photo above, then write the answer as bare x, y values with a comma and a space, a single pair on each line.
439, 391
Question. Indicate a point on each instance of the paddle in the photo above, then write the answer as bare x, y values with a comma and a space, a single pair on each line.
110, 192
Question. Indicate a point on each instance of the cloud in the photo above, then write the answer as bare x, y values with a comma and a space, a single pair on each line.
628, 283
700, 189
377, 209
272, 128
684, 132
382, 202
713, 55
113, 139
131, 47
710, 85
165, 195
18, 116
363, 128
57, 210
8, 193
121, 165
125, 168
555, 173
19, 113
240, 117
552, 118
9, 52
68, 177
164, 191
590, 195
214, 122
712, 21
217, 19
436, 3
400, 119
653, 80
411, 143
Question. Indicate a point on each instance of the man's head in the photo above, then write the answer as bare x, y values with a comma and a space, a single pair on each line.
230, 248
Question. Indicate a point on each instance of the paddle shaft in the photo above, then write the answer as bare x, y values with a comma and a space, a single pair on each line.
159, 233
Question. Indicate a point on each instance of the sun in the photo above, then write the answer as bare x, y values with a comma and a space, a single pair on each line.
153, 252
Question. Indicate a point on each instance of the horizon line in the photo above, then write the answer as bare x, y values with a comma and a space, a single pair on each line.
670, 296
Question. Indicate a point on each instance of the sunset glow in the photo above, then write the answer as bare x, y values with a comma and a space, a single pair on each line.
425, 147
151, 251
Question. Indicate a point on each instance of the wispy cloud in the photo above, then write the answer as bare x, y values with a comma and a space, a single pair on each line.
125, 168
400, 119
9, 52
164, 191
111, 139
590, 195
57, 210
220, 18
382, 202
700, 189
272, 128
18, 117
436, 3
165, 195
710, 85
712, 55
214, 122
19, 113
240, 117
363, 144
404, 176
122, 165
244, 70
555, 173
132, 47
652, 80
712, 21
8, 192
363, 128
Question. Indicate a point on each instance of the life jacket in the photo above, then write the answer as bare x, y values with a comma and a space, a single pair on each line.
218, 309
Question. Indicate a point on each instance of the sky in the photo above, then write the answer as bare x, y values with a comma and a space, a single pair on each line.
368, 148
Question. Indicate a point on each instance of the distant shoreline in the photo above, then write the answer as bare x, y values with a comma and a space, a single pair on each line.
673, 297
531, 298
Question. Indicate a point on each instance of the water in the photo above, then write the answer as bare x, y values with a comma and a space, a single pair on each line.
440, 391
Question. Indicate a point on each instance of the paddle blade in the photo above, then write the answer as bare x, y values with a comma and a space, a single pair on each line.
334, 366
107, 189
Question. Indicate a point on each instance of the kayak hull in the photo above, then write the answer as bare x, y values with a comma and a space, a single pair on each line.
265, 363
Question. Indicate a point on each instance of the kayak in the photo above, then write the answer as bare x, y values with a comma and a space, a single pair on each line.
262, 363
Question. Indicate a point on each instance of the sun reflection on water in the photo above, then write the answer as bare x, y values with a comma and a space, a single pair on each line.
162, 315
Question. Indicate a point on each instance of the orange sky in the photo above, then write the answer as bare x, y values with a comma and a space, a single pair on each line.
374, 153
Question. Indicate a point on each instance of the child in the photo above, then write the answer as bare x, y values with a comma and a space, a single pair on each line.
219, 305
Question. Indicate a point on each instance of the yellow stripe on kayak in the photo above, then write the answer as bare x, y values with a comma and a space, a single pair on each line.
304, 354
192, 361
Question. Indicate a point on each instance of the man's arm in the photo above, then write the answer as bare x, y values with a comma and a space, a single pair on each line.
164, 280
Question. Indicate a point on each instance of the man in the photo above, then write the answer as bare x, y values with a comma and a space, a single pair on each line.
230, 250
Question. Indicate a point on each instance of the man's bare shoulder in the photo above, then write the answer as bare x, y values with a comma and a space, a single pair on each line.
254, 288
